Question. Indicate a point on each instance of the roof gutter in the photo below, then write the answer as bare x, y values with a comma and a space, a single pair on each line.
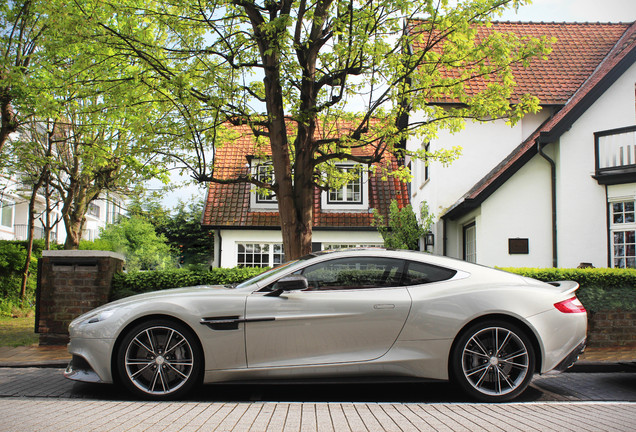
543, 139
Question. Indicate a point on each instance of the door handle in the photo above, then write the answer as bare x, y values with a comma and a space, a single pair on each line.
384, 306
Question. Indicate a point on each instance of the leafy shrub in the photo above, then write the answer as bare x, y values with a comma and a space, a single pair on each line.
138, 241
12, 258
127, 284
601, 288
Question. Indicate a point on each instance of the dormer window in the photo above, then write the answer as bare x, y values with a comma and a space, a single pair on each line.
265, 173
260, 198
350, 192
352, 195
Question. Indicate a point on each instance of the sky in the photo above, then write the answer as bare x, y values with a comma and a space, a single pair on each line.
575, 10
539, 10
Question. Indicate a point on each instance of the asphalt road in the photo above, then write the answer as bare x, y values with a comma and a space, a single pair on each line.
35, 399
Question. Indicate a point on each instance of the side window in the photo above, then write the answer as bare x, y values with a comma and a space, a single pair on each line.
354, 273
419, 273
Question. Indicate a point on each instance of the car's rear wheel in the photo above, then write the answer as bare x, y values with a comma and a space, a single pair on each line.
493, 361
159, 359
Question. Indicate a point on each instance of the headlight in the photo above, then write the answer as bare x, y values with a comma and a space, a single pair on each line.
103, 315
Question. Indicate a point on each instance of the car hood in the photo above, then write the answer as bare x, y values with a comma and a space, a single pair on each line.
206, 290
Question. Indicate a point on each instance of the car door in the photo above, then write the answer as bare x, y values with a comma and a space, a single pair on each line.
353, 311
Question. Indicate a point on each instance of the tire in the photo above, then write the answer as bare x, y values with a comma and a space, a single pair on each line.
493, 361
159, 360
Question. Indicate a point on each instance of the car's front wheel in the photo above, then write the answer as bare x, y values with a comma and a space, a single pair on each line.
493, 361
159, 359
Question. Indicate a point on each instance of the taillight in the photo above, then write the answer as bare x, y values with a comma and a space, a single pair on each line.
572, 305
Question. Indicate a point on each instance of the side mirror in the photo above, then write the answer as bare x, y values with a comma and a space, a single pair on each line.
289, 283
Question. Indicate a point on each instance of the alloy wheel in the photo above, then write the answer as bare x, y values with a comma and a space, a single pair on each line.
495, 361
159, 360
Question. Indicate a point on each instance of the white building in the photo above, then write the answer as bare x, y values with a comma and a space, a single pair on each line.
559, 188
14, 212
246, 223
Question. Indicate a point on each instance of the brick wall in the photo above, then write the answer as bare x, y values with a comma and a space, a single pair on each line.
71, 283
611, 328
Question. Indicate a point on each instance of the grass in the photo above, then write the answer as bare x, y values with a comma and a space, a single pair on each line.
16, 332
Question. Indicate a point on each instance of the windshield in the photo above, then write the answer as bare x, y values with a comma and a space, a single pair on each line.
266, 274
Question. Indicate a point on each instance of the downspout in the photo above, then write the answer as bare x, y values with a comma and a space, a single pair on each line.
443, 237
542, 140
218, 248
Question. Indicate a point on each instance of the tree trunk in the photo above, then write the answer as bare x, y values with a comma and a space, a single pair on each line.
27, 264
8, 124
74, 225
47, 213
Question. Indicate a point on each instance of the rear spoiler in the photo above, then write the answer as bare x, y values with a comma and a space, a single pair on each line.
567, 287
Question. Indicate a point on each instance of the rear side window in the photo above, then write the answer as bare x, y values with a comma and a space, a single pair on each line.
418, 273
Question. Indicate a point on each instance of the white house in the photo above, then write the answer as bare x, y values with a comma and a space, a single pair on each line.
559, 188
14, 212
246, 223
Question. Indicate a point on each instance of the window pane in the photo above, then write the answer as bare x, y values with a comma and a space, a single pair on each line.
354, 273
253, 255
629, 206
420, 273
619, 237
617, 207
7, 214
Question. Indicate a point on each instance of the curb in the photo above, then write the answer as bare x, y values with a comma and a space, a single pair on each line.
588, 366
53, 364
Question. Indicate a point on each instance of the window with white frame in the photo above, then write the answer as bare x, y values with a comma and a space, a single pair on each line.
470, 243
623, 233
260, 198
259, 254
427, 148
265, 173
94, 210
350, 192
6, 213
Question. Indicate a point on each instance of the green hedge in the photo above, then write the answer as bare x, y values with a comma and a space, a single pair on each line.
601, 288
127, 284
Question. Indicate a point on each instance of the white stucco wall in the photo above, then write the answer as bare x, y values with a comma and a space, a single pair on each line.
522, 206
582, 202
230, 239
484, 145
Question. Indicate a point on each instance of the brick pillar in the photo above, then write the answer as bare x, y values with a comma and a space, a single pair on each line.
71, 283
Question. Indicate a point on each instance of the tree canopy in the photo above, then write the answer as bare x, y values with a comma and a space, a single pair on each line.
294, 71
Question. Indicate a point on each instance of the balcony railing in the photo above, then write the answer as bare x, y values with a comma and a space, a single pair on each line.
21, 232
616, 155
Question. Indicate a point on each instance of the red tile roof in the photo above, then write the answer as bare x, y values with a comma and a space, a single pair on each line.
609, 69
229, 205
578, 50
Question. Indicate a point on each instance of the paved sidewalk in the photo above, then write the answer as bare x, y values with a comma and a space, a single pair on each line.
68, 415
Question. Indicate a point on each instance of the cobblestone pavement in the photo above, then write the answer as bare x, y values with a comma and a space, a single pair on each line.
35, 399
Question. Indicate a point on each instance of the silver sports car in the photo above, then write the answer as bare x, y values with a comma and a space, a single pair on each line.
356, 314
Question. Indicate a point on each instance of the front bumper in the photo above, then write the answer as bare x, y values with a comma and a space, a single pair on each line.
91, 361
78, 369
